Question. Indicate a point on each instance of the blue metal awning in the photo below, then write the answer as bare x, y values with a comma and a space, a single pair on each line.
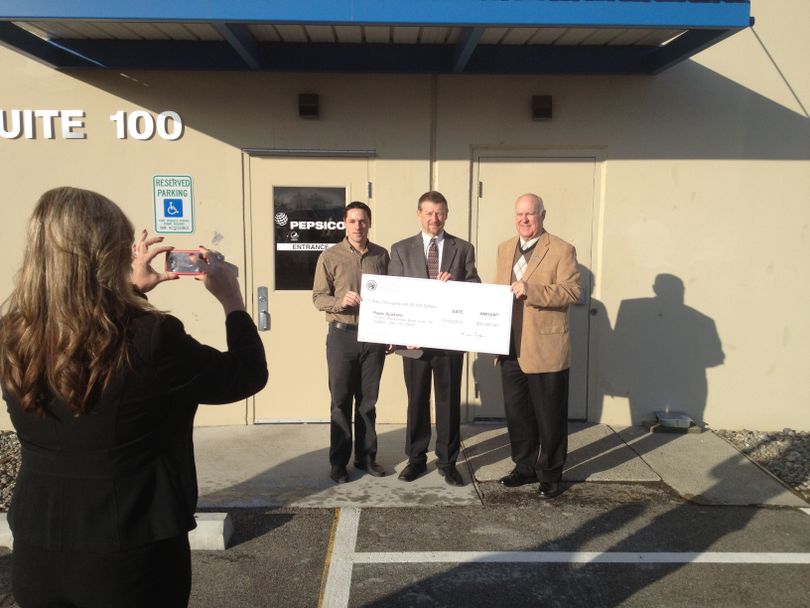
415, 36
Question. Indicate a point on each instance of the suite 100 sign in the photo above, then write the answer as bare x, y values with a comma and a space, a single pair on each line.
141, 125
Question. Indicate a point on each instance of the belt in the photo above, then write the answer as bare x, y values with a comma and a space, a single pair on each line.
343, 326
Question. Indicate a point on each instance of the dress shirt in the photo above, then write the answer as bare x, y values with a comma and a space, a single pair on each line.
338, 271
524, 245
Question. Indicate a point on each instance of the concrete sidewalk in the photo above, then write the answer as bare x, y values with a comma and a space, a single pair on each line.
288, 465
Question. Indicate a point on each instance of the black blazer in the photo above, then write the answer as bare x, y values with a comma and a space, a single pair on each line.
458, 258
123, 474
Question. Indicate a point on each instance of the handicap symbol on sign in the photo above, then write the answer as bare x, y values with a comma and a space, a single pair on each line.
173, 207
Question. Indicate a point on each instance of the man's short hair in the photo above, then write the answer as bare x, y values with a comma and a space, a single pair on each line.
538, 202
357, 205
432, 196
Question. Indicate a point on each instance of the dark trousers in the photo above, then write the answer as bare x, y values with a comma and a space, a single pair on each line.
445, 369
537, 419
354, 378
156, 574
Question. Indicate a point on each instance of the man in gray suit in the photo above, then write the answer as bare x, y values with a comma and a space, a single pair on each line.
433, 254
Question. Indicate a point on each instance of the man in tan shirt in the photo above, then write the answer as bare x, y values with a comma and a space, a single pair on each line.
354, 367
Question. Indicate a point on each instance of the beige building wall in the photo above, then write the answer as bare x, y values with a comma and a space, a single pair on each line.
703, 192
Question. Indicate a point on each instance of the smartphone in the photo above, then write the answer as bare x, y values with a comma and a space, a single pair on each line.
181, 262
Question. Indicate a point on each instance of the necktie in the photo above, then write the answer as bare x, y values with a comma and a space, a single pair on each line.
522, 262
433, 259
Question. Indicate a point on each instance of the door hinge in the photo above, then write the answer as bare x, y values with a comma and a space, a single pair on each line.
370, 190
480, 189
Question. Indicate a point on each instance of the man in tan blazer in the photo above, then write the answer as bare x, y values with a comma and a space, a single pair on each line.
544, 277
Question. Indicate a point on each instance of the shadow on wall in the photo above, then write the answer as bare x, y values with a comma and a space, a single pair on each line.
658, 353
487, 377
656, 356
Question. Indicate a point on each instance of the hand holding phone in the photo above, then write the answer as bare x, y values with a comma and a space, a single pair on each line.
144, 277
219, 276
220, 279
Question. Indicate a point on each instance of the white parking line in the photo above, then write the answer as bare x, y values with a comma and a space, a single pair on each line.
580, 557
339, 579
343, 557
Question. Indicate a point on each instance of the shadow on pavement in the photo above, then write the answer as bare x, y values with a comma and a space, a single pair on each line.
644, 524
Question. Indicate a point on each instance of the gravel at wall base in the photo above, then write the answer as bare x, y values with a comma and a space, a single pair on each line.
9, 465
784, 453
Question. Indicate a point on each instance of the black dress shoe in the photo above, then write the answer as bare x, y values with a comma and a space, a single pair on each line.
412, 471
515, 479
372, 468
452, 476
339, 474
549, 489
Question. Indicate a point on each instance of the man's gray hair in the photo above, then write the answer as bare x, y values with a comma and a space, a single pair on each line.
538, 202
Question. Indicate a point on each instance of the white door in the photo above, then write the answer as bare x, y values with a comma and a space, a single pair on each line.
567, 186
283, 255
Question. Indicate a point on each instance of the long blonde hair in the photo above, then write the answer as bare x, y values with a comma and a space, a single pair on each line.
66, 325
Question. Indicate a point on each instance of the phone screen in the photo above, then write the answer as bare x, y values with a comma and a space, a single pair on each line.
181, 262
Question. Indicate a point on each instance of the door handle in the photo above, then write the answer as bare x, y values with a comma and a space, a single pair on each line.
264, 313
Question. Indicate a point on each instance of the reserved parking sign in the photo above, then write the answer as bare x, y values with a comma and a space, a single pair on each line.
173, 204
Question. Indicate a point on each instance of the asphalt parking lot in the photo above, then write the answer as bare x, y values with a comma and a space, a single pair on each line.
645, 521
605, 544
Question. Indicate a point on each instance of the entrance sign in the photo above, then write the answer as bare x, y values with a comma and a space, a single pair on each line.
452, 315
174, 204
307, 220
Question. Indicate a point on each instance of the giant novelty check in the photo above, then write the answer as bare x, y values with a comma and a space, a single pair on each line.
451, 315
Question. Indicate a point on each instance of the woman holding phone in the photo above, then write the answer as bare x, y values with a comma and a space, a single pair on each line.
102, 390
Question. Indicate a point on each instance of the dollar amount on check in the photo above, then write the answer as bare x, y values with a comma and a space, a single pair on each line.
450, 315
